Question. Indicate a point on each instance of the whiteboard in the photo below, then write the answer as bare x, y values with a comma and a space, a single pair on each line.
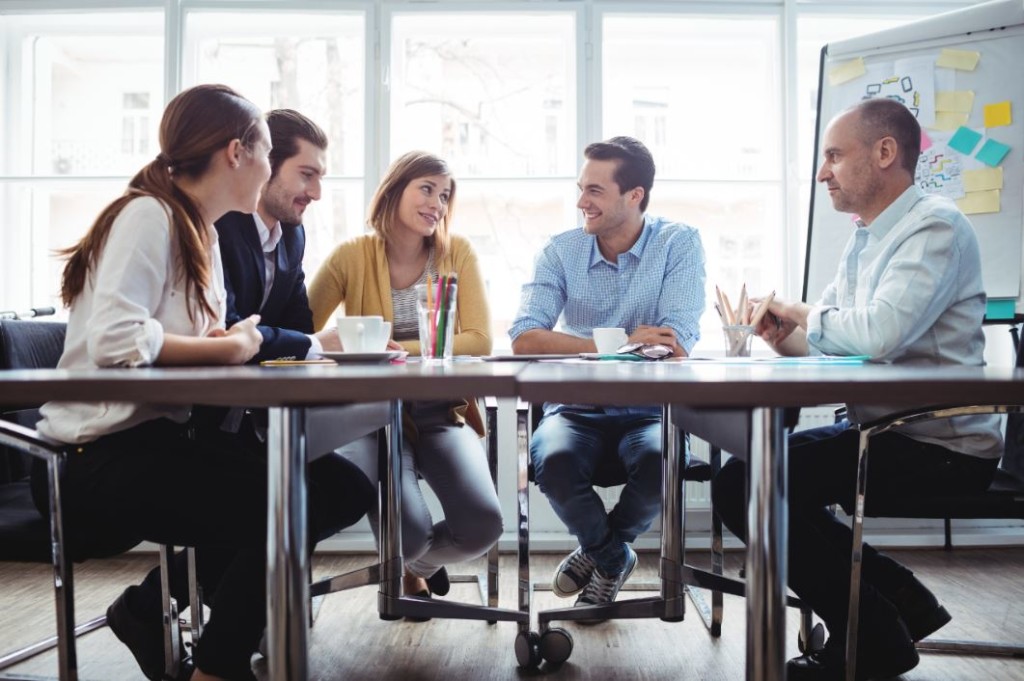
890, 61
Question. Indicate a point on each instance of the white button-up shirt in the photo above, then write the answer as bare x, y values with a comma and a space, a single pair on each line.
133, 295
909, 291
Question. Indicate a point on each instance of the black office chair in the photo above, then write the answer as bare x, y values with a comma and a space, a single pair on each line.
27, 536
1004, 499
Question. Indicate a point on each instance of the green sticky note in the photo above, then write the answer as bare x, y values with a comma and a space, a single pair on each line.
964, 140
1001, 308
992, 152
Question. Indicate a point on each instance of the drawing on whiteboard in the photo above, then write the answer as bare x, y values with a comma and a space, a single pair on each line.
940, 172
899, 88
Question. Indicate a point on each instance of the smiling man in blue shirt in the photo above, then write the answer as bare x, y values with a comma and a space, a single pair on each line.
623, 269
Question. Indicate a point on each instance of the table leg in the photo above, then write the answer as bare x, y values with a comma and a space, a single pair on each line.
390, 518
287, 542
767, 522
671, 519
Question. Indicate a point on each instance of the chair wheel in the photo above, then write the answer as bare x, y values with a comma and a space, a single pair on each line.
817, 641
527, 647
556, 645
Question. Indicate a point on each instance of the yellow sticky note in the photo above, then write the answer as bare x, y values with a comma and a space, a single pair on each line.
982, 180
979, 202
847, 71
997, 114
961, 101
962, 60
949, 120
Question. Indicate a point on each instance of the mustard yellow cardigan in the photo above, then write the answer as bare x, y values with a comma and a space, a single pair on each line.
356, 279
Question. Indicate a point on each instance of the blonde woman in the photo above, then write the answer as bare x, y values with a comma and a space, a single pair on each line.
376, 274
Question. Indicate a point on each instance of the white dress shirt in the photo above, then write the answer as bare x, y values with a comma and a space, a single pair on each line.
909, 291
133, 295
269, 238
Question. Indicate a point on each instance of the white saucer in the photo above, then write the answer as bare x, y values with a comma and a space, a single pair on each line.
365, 357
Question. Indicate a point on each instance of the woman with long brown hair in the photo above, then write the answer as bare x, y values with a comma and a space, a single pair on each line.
376, 274
145, 287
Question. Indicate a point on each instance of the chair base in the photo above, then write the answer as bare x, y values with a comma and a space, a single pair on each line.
979, 648
28, 652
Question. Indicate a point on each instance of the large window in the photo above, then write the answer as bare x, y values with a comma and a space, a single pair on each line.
509, 91
494, 93
308, 61
82, 100
702, 92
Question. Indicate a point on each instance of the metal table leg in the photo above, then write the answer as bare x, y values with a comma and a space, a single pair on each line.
391, 519
767, 518
287, 542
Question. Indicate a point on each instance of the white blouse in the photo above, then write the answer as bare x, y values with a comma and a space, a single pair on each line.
133, 295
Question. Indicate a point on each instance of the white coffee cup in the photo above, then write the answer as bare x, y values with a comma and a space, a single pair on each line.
608, 339
363, 334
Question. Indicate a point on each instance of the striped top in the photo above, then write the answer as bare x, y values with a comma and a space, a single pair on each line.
403, 303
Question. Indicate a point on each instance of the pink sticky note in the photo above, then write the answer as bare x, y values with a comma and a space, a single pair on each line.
926, 141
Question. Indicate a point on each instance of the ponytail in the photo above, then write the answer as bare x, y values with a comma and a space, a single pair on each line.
153, 180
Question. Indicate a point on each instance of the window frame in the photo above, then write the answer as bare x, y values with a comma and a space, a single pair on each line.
589, 17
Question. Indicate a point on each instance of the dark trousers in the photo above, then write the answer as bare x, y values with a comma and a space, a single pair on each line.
822, 472
153, 483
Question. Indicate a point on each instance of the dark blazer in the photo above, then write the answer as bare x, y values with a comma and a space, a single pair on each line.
285, 319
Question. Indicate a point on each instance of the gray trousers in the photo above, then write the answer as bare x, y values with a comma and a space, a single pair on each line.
451, 459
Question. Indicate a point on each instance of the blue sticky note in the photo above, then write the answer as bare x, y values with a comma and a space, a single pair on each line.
1000, 308
964, 140
992, 152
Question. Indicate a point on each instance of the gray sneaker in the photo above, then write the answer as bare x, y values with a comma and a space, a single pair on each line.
604, 589
573, 573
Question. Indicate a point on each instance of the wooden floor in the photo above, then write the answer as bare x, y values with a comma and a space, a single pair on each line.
981, 587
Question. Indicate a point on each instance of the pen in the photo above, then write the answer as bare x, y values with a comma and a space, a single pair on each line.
293, 362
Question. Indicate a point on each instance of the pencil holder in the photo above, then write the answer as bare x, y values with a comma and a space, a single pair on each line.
737, 339
435, 315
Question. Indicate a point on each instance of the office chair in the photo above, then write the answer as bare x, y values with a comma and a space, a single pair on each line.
27, 536
1004, 499
555, 644
364, 422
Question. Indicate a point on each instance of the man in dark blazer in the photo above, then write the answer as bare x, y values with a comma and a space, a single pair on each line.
262, 255
262, 252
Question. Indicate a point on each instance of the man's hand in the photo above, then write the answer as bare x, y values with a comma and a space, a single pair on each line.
663, 335
773, 328
782, 327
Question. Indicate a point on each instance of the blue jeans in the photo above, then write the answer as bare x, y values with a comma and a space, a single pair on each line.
566, 449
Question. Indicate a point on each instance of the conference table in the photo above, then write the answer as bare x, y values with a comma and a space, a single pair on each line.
739, 405
290, 393
753, 392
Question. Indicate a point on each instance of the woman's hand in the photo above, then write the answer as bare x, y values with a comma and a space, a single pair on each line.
245, 340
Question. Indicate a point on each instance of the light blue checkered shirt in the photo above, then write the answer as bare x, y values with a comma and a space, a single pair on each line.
657, 282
